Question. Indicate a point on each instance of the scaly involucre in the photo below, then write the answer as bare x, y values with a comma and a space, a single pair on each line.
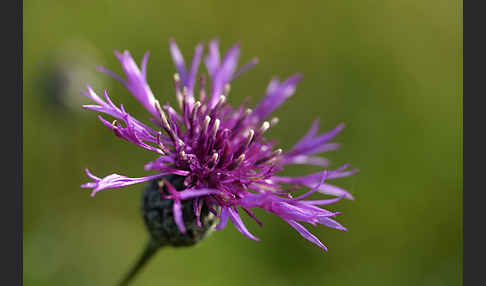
228, 163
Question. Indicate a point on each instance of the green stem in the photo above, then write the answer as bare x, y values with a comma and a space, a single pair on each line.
150, 249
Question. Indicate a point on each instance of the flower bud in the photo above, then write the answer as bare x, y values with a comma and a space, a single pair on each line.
159, 216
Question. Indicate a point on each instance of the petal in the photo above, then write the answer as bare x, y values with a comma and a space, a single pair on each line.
334, 191
310, 144
310, 134
245, 68
236, 220
323, 202
143, 66
196, 60
224, 73
276, 94
135, 131
212, 61
136, 82
189, 194
178, 60
131, 134
177, 209
324, 220
304, 160
223, 218
115, 181
293, 211
306, 234
324, 175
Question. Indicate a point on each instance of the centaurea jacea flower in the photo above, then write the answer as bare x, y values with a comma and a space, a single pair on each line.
221, 154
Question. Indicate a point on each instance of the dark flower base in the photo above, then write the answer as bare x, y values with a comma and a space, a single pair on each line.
159, 218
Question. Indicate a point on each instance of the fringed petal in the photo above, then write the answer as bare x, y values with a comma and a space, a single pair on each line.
115, 181
136, 81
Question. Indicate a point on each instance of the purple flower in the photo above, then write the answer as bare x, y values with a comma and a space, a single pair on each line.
222, 151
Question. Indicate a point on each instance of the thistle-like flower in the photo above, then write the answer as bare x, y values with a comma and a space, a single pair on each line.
214, 160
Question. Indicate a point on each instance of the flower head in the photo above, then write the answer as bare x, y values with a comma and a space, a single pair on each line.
227, 163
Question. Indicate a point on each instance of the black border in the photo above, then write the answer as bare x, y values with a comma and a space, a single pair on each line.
11, 120
474, 198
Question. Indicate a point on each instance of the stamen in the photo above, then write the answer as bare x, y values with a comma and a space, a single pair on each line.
179, 98
251, 134
215, 157
274, 121
218, 106
164, 149
202, 88
217, 122
163, 118
237, 162
165, 123
264, 127
271, 161
183, 155
177, 78
207, 120
244, 146
177, 81
240, 159
195, 107
193, 118
202, 95
271, 158
184, 100
227, 88
222, 100
240, 121
184, 92
277, 152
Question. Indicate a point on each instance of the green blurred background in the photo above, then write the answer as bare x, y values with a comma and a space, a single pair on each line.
391, 70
